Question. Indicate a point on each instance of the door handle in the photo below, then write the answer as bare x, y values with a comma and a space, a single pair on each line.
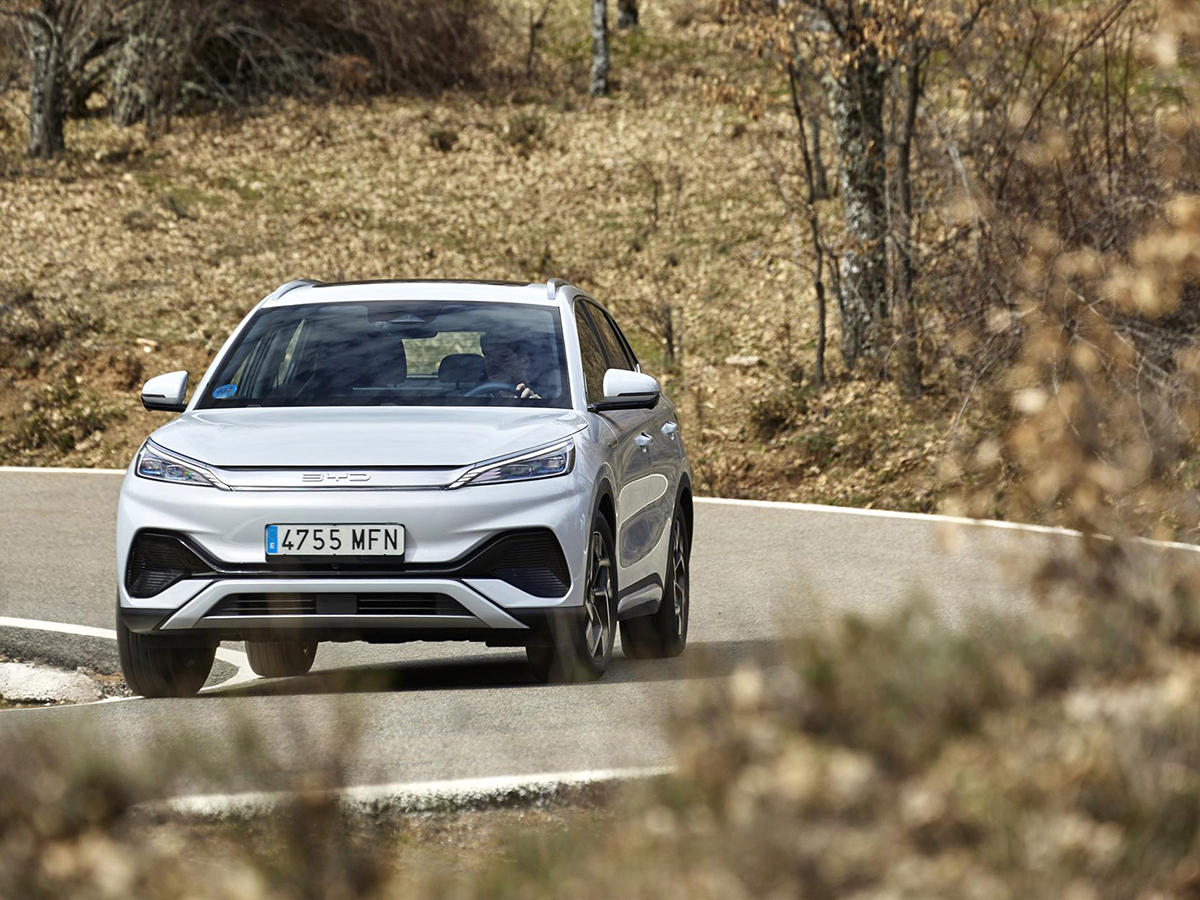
670, 429
643, 440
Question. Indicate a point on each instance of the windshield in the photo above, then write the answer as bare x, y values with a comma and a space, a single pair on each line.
395, 353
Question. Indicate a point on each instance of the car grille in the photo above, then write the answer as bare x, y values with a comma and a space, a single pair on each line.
323, 604
531, 560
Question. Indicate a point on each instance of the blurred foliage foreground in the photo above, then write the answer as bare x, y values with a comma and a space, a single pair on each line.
876, 758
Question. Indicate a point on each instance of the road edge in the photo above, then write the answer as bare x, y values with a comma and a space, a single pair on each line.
235, 658
456, 795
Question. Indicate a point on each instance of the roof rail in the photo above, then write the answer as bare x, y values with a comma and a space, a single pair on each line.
553, 285
293, 284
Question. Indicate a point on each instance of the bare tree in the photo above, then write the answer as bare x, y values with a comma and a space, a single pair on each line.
855, 85
44, 33
627, 13
814, 222
600, 58
536, 24
64, 38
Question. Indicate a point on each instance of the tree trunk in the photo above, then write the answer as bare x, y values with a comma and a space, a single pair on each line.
127, 100
820, 175
856, 107
814, 221
627, 13
908, 362
599, 85
45, 82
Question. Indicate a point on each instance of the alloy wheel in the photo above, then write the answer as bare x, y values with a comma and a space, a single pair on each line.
597, 602
679, 565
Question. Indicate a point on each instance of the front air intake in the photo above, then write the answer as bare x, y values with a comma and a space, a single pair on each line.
530, 561
156, 562
319, 604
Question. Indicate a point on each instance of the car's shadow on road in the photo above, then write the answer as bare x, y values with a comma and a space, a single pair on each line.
714, 659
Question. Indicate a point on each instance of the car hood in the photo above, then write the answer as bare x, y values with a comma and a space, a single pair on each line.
387, 436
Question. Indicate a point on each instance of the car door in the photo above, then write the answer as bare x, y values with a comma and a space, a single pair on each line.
629, 453
645, 498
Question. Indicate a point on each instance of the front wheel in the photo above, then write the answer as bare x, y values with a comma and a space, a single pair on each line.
153, 667
665, 632
280, 659
582, 639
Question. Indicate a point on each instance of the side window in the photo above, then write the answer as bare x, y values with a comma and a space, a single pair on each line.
625, 343
614, 347
593, 356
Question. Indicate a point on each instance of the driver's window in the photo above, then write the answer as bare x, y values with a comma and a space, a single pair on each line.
592, 355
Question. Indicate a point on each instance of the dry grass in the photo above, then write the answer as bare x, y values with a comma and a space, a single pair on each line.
652, 199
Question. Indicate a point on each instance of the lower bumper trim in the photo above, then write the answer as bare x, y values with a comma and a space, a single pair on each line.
141, 620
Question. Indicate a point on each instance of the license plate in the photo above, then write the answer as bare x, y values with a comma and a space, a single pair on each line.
335, 540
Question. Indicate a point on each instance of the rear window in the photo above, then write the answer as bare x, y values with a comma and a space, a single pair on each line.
395, 353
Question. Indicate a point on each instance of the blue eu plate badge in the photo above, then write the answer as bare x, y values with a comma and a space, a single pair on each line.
272, 539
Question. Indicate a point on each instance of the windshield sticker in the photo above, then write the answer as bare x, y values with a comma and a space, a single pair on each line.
224, 392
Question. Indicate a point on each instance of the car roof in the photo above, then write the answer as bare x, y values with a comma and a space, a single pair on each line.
296, 293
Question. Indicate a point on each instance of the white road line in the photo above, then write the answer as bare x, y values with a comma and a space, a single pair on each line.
235, 658
60, 627
461, 793
62, 471
239, 661
928, 517
885, 514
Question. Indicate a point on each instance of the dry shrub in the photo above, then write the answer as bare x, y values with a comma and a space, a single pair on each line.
348, 75
443, 139
59, 417
525, 132
151, 59
71, 826
774, 413
33, 330
394, 44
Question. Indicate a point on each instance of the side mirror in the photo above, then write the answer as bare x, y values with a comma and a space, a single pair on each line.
628, 390
167, 393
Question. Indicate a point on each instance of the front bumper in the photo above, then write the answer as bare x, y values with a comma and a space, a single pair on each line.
440, 589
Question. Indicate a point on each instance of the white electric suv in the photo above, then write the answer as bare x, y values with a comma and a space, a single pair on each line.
407, 460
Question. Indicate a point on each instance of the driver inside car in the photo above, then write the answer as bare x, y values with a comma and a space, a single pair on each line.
506, 361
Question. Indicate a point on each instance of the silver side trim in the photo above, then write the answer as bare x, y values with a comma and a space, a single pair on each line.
641, 603
171, 598
488, 614
315, 621
514, 597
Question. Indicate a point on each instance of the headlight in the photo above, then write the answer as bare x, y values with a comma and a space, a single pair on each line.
541, 462
158, 465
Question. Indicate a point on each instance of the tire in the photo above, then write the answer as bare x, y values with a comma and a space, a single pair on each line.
664, 634
582, 639
279, 659
153, 668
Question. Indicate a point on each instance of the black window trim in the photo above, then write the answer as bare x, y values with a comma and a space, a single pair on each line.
581, 302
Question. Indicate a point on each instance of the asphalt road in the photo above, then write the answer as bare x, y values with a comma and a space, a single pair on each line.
423, 712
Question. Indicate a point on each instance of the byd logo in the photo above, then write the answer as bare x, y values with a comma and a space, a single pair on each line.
321, 477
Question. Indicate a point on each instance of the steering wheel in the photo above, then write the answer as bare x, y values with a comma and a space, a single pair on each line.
480, 389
